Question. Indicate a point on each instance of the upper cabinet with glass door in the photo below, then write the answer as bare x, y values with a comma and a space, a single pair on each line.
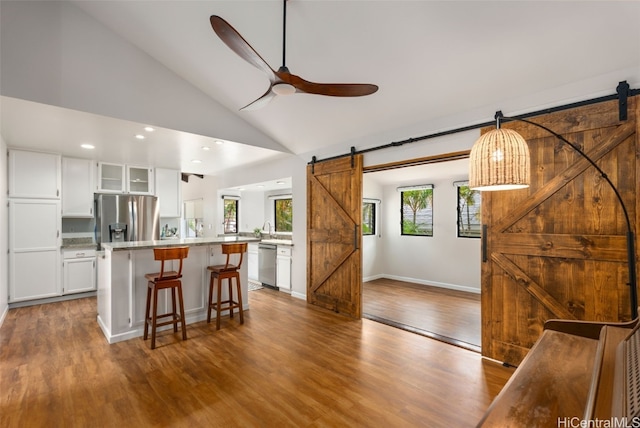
111, 178
140, 180
117, 178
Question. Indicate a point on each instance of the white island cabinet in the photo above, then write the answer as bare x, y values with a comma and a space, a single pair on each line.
122, 287
253, 266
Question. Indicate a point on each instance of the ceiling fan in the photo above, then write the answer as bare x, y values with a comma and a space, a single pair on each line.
282, 82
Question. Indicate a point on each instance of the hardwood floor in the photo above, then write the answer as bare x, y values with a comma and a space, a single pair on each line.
448, 315
290, 364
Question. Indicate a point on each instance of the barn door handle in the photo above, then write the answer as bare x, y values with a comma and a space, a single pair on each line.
484, 243
355, 236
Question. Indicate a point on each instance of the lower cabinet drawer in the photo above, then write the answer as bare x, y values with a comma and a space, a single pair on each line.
284, 251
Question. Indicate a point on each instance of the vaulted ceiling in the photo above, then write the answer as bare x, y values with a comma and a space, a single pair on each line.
438, 65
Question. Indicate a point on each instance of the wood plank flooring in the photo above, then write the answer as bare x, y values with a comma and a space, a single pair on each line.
448, 315
289, 365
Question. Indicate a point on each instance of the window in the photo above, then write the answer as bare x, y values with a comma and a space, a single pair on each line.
283, 215
469, 221
417, 210
369, 218
230, 215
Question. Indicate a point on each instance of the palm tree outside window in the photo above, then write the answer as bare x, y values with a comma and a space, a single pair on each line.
230, 215
368, 218
416, 210
469, 211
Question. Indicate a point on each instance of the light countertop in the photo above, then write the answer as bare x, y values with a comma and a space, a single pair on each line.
278, 241
190, 242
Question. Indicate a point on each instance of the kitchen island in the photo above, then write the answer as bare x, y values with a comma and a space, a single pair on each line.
122, 287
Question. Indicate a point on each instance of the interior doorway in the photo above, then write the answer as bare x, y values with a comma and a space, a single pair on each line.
430, 283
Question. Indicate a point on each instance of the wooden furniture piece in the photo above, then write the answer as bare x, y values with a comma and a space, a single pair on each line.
576, 371
226, 271
165, 279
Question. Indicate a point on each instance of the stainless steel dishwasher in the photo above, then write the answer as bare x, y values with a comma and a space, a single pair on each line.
267, 264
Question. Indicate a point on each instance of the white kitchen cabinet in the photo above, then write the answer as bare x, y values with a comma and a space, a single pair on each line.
283, 268
111, 178
77, 187
140, 180
78, 271
34, 249
117, 178
168, 191
34, 175
253, 265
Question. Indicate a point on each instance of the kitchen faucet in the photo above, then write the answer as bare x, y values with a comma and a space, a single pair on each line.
269, 229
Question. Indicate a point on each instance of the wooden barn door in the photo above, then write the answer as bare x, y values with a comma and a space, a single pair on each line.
558, 249
334, 216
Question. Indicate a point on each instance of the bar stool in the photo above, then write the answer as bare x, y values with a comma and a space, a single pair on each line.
226, 271
160, 281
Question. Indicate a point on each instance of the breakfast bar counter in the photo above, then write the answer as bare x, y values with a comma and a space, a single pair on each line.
122, 286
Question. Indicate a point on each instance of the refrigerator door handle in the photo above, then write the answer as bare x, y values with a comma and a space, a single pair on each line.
133, 215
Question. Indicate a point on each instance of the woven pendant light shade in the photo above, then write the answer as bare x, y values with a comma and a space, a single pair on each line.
499, 161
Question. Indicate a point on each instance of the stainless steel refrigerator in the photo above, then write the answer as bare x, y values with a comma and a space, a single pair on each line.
126, 218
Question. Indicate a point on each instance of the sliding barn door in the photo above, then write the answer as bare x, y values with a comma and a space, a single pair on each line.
334, 256
558, 249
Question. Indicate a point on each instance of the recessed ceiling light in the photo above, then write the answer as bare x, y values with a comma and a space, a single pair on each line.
206, 148
149, 129
196, 161
87, 146
219, 142
140, 136
279, 182
260, 185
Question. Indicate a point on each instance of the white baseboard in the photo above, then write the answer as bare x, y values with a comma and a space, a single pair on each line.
372, 277
4, 315
297, 295
464, 288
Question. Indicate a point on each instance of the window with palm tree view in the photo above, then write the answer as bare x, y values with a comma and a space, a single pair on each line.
284, 215
368, 218
469, 221
417, 211
230, 216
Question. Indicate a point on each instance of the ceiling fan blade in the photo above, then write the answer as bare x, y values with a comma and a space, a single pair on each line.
260, 102
329, 89
239, 45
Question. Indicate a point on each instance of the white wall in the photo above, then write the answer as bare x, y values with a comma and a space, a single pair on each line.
72, 57
205, 189
286, 166
373, 245
252, 211
443, 259
4, 244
